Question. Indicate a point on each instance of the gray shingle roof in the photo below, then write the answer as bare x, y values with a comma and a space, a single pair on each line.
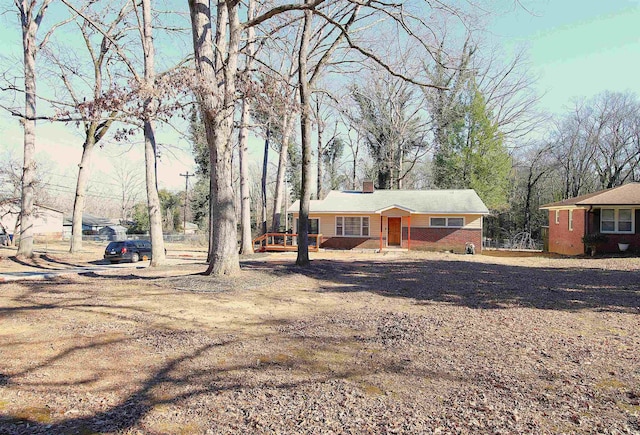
416, 201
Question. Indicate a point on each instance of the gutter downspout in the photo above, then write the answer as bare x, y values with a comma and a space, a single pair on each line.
409, 233
381, 232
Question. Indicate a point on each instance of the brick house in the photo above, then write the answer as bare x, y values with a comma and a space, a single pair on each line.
612, 212
387, 219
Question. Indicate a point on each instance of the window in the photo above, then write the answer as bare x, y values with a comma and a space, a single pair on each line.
608, 220
570, 220
352, 226
614, 220
455, 222
438, 222
625, 222
314, 226
557, 217
447, 222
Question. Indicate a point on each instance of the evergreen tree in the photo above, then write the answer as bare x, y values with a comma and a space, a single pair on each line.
474, 156
199, 197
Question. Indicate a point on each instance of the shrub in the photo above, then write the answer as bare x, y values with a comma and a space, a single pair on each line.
594, 239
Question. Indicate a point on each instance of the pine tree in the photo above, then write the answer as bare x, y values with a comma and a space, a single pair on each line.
474, 155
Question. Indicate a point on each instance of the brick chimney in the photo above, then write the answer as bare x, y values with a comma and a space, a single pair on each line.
367, 186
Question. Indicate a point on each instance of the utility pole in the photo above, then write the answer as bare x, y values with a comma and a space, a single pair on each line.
186, 197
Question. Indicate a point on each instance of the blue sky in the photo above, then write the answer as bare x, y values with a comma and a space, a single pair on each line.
577, 48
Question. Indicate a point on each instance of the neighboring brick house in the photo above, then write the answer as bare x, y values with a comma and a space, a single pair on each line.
612, 212
384, 219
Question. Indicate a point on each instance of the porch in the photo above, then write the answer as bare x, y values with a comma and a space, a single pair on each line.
284, 242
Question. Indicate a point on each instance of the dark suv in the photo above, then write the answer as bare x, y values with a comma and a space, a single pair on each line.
132, 250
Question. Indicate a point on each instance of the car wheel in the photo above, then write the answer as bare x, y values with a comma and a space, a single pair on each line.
135, 257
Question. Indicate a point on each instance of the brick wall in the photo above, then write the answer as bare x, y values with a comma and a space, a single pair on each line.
437, 239
563, 241
350, 243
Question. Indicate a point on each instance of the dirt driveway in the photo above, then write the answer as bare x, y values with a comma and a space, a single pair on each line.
356, 343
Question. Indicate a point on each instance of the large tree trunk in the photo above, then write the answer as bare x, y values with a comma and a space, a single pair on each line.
246, 243
263, 184
150, 151
153, 201
321, 152
81, 189
217, 98
25, 247
30, 23
305, 130
287, 129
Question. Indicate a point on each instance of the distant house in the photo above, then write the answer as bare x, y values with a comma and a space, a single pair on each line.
95, 223
114, 232
385, 219
190, 228
90, 224
47, 221
612, 212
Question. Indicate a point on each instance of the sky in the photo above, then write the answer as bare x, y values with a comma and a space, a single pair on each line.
576, 48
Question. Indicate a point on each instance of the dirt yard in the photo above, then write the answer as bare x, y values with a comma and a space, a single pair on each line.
414, 343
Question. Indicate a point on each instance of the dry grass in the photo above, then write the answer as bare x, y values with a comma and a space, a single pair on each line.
356, 343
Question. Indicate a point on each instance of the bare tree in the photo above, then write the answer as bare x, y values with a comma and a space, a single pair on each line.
30, 20
128, 177
305, 130
615, 118
329, 150
150, 107
94, 119
150, 97
533, 167
215, 90
246, 242
574, 153
388, 116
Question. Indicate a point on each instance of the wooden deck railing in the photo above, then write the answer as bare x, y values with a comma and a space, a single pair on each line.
284, 242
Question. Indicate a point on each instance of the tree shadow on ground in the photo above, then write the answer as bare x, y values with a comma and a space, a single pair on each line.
482, 285
174, 383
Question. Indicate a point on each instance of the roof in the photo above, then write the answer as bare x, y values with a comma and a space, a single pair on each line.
463, 201
627, 194
16, 204
115, 228
91, 220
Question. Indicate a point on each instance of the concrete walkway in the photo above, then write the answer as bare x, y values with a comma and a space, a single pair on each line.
53, 273
43, 274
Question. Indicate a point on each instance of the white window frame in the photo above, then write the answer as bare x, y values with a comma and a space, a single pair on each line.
557, 217
616, 220
570, 220
446, 222
362, 226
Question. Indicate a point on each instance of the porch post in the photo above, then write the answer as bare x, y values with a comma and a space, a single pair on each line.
380, 232
408, 233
